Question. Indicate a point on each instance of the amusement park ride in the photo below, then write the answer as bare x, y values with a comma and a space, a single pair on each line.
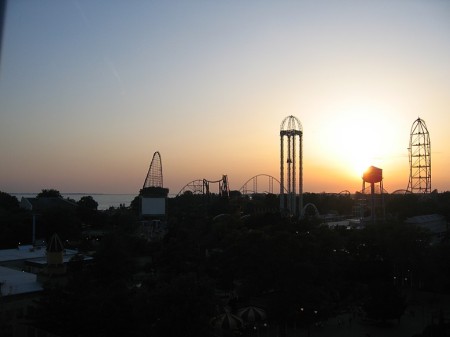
154, 196
419, 158
291, 130
203, 186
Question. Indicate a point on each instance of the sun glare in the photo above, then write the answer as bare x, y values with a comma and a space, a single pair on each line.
359, 162
354, 142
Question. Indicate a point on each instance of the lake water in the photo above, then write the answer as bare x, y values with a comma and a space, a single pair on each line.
104, 201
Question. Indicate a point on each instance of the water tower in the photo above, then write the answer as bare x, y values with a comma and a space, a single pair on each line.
291, 154
374, 176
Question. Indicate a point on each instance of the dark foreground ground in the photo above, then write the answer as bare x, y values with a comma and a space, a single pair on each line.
423, 308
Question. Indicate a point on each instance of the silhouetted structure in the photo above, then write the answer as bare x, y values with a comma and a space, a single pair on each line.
154, 176
251, 186
194, 186
291, 129
374, 176
224, 190
419, 158
153, 196
202, 186
55, 256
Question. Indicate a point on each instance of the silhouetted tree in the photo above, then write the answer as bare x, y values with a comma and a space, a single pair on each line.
88, 202
96, 301
284, 263
8, 202
182, 306
63, 221
135, 205
49, 193
15, 222
385, 302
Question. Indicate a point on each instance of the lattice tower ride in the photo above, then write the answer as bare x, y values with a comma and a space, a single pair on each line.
154, 175
291, 151
419, 158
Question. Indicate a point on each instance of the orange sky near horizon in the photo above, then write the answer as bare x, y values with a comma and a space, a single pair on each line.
87, 95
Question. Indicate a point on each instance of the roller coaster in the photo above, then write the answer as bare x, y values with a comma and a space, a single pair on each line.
258, 184
419, 157
202, 186
154, 176
251, 185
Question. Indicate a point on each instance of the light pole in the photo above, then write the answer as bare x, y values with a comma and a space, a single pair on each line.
33, 238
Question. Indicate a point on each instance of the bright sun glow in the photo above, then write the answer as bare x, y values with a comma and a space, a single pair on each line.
355, 141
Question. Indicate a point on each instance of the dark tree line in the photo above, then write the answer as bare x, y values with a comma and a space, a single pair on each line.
301, 272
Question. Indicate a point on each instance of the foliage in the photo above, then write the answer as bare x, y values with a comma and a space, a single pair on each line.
88, 202
88, 213
15, 228
123, 220
8, 202
49, 193
15, 223
283, 263
182, 306
113, 259
385, 302
59, 220
135, 205
96, 301
103, 299
435, 272
330, 203
154, 191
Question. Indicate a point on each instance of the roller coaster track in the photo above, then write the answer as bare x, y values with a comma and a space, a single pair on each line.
251, 185
154, 176
202, 186
401, 191
310, 205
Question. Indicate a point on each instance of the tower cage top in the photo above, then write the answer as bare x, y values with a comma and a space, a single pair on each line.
291, 124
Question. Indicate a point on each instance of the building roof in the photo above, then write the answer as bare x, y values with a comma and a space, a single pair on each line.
436, 223
28, 252
14, 282
419, 219
44, 203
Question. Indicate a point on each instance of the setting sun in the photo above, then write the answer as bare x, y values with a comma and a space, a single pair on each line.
354, 140
207, 85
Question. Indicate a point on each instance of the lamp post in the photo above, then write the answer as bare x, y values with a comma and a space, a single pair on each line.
33, 238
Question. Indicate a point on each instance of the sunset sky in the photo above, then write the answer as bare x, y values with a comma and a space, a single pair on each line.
90, 89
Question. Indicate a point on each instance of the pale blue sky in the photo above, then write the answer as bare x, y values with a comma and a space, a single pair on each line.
89, 89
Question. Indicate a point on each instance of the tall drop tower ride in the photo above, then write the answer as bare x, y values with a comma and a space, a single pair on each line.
419, 158
291, 151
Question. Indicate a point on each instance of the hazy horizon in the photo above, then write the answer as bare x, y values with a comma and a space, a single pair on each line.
89, 90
